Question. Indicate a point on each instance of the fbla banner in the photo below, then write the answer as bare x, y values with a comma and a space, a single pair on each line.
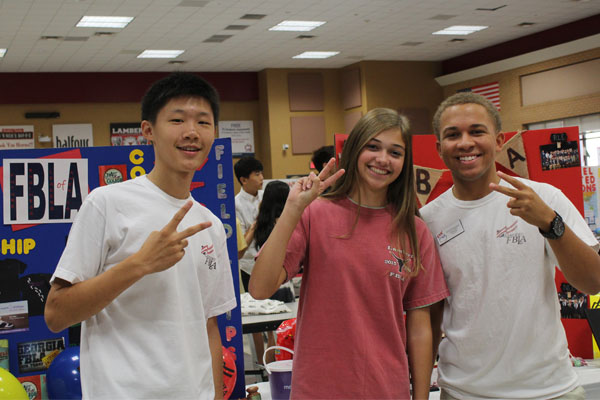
42, 191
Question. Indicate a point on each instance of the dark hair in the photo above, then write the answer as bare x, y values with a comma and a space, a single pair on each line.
245, 166
271, 206
178, 84
321, 156
466, 98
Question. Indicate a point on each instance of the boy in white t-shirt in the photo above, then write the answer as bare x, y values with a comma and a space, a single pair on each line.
499, 239
146, 268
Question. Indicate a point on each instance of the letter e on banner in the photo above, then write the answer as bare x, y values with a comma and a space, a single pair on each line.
42, 191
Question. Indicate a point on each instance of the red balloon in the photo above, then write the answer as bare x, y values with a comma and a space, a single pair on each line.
286, 332
229, 372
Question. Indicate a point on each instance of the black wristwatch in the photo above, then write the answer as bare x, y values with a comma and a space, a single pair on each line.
557, 228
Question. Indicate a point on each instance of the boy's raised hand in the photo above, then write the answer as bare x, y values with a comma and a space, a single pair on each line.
163, 249
525, 203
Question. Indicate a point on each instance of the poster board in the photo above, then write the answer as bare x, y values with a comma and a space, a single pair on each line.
30, 250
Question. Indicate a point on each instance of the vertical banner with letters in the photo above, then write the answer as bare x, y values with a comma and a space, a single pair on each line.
589, 179
42, 191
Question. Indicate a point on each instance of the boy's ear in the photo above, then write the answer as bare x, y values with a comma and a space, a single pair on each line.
147, 131
499, 140
243, 180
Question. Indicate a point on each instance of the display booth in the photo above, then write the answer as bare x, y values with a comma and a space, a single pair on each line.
42, 189
547, 155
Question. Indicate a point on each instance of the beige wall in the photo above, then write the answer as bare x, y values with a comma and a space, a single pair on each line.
401, 84
273, 87
100, 115
393, 84
383, 83
514, 114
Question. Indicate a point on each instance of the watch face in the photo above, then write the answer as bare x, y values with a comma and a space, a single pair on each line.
558, 226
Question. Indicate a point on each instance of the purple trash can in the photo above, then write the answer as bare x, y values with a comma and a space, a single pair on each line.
280, 375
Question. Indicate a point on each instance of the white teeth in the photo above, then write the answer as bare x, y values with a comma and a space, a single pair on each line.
189, 148
467, 158
378, 171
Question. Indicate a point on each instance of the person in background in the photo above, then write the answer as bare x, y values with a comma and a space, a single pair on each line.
249, 172
499, 239
321, 157
270, 209
367, 259
146, 268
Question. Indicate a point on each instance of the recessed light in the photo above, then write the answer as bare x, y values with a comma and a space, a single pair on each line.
160, 53
2, 52
317, 54
460, 30
297, 26
88, 21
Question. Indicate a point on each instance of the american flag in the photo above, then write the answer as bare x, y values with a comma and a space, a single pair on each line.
490, 91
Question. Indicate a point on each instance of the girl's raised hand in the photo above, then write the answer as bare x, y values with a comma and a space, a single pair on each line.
308, 188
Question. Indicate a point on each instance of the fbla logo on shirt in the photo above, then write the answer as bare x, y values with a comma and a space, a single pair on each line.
508, 233
207, 251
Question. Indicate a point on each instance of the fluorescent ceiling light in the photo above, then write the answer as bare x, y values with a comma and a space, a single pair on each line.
297, 26
317, 54
88, 21
460, 30
160, 53
2, 52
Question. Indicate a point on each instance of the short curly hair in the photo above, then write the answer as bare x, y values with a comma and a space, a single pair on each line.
466, 98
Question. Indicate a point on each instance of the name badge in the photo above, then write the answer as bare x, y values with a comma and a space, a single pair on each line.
450, 233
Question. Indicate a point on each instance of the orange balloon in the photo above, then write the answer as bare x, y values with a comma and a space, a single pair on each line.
229, 372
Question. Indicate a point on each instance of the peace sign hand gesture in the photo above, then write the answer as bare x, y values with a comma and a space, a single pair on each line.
306, 189
525, 203
163, 249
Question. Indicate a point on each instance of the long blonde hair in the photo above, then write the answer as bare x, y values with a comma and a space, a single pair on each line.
401, 193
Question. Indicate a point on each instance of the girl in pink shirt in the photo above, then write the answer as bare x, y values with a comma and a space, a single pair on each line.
368, 260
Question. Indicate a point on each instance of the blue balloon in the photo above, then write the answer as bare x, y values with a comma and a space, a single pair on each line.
63, 380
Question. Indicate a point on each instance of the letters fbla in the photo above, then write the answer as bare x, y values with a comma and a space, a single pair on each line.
43, 190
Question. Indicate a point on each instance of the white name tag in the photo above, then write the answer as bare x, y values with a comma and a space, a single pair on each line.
450, 233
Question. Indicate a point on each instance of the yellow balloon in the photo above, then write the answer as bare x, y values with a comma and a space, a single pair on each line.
10, 387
